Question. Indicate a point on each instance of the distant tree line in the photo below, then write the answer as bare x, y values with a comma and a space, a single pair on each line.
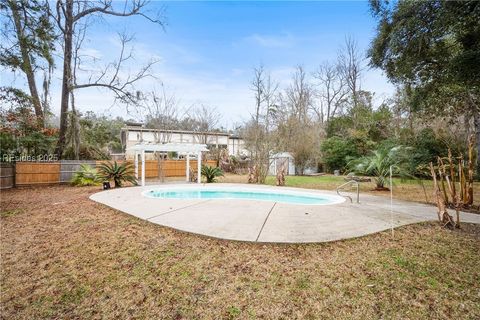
326, 119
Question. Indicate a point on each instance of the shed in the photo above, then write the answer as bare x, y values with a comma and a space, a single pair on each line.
280, 159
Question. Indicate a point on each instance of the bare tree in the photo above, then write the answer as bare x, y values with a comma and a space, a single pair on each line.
332, 90
162, 114
351, 66
257, 131
161, 109
68, 14
109, 77
204, 119
270, 89
299, 95
74, 137
296, 132
257, 87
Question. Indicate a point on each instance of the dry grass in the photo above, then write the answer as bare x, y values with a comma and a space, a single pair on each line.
65, 257
411, 190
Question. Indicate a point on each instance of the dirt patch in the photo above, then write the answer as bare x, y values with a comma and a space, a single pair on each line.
64, 256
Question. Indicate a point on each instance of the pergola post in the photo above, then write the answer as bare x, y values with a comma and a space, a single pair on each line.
136, 164
199, 167
187, 173
143, 168
187, 149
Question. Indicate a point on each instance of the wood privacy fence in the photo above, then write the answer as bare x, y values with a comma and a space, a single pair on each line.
7, 175
169, 168
37, 173
33, 173
69, 167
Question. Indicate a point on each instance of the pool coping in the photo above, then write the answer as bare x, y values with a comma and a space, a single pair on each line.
334, 198
266, 221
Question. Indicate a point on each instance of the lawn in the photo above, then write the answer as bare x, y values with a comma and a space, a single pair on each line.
412, 190
66, 257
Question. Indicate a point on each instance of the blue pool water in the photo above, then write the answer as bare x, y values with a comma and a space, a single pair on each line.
292, 198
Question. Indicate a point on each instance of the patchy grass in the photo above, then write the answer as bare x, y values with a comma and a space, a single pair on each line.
66, 257
8, 213
411, 190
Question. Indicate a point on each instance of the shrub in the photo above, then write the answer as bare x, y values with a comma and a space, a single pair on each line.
302, 158
334, 151
427, 147
118, 173
86, 176
8, 144
378, 164
211, 173
337, 152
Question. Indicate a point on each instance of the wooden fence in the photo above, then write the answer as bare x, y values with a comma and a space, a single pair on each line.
33, 173
37, 173
69, 167
7, 175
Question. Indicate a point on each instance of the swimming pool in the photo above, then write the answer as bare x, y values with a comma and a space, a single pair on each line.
284, 196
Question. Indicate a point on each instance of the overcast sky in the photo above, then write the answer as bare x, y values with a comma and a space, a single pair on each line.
208, 50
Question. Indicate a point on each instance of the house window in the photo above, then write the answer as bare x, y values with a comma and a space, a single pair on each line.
220, 146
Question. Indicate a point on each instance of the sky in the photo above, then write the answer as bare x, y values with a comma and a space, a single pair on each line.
207, 50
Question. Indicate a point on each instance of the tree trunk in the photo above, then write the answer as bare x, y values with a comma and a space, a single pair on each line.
469, 188
27, 64
443, 215
281, 176
75, 129
476, 119
67, 76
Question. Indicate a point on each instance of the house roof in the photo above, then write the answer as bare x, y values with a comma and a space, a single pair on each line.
282, 155
135, 128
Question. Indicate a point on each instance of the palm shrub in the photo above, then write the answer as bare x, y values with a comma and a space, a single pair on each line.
378, 164
119, 173
211, 173
86, 176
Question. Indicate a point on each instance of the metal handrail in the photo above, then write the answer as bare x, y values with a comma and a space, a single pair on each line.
347, 196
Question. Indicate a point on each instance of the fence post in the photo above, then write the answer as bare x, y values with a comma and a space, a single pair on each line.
199, 167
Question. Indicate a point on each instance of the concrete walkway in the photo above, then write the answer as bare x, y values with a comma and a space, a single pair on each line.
265, 221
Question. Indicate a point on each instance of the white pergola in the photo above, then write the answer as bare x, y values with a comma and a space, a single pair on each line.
181, 148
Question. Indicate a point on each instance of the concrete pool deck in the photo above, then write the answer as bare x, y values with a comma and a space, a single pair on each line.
266, 221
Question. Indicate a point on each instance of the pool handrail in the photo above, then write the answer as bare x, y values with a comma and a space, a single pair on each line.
357, 185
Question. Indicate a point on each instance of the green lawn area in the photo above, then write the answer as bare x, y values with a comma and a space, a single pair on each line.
66, 257
303, 181
404, 189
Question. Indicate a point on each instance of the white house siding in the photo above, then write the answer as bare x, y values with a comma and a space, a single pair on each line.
235, 146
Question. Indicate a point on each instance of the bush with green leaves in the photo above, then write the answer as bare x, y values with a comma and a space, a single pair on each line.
119, 173
378, 164
211, 173
86, 176
21, 134
337, 152
427, 147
